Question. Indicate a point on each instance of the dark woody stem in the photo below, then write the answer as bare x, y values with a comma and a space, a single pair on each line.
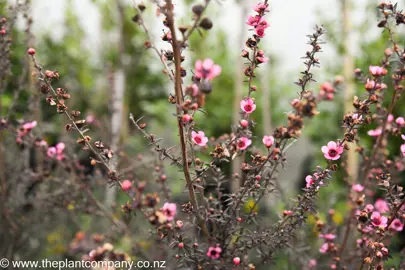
179, 100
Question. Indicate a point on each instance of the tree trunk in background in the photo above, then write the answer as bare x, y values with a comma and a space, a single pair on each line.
118, 91
348, 69
238, 95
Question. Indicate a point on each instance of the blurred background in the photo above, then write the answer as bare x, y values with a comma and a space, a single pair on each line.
100, 55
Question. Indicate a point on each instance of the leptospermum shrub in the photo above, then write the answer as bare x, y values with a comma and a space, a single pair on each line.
213, 230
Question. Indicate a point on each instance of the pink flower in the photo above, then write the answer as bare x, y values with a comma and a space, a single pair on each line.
25, 128
397, 225
375, 132
268, 141
310, 181
206, 70
248, 106
377, 71
169, 210
90, 119
312, 263
199, 138
254, 21
381, 206
261, 7
214, 252
373, 85
403, 149
327, 87
390, 118
357, 188
260, 31
56, 151
29, 125
377, 220
126, 185
236, 261
324, 248
243, 143
328, 236
400, 121
51, 152
262, 59
332, 151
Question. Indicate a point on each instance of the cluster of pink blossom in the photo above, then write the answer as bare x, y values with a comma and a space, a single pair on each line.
258, 22
56, 151
327, 91
399, 123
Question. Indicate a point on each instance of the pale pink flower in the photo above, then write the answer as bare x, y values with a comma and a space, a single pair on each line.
381, 206
357, 188
390, 118
199, 138
327, 87
328, 236
400, 121
397, 225
268, 141
312, 263
169, 210
310, 180
375, 132
324, 248
51, 152
214, 252
206, 69
377, 71
378, 220
56, 151
262, 59
403, 149
29, 125
25, 128
243, 143
90, 119
332, 151
248, 105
